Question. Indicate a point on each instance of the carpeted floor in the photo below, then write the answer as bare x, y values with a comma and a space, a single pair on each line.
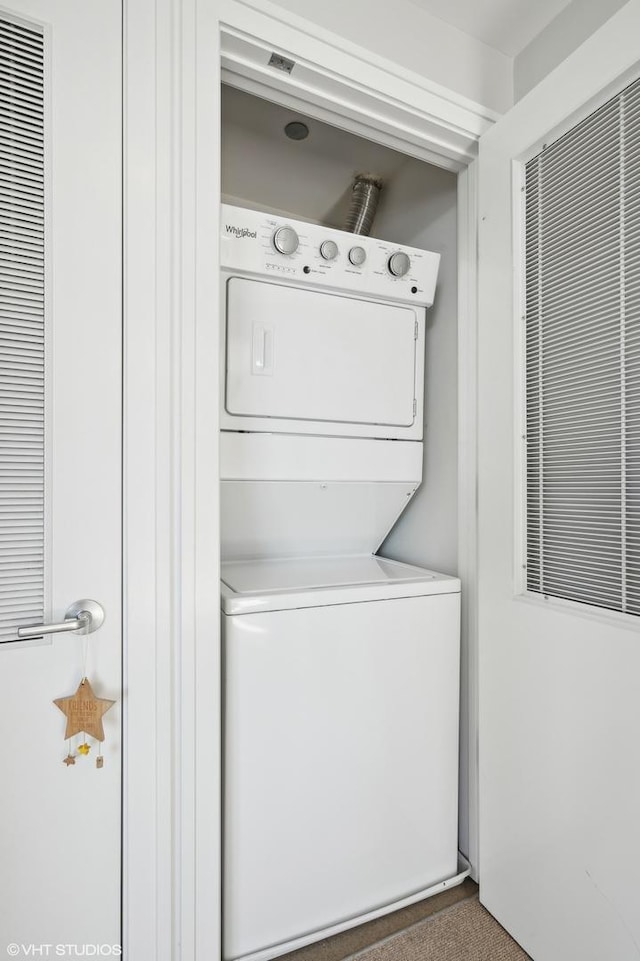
463, 932
355, 940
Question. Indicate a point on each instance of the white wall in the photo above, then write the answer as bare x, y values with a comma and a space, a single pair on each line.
309, 179
410, 36
419, 208
560, 38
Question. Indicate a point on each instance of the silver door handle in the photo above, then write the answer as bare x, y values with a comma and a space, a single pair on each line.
84, 617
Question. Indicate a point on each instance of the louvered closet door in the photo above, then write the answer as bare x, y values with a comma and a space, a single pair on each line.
22, 331
60, 466
559, 506
583, 360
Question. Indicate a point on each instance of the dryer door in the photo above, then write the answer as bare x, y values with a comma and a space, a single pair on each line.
297, 357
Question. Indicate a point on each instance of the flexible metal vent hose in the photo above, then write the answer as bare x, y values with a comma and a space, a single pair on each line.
364, 203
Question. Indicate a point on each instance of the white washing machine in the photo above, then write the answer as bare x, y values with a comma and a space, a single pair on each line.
341, 745
341, 667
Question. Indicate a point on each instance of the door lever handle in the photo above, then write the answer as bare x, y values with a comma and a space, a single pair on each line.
83, 617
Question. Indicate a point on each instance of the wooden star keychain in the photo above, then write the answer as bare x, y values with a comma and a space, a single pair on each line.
84, 712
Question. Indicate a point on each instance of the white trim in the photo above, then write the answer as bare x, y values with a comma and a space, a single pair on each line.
467, 486
293, 33
171, 843
47, 38
590, 612
200, 423
612, 88
335, 81
518, 202
148, 634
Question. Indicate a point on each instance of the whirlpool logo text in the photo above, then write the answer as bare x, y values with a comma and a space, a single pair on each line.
241, 232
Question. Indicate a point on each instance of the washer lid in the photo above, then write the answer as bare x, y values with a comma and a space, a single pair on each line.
285, 583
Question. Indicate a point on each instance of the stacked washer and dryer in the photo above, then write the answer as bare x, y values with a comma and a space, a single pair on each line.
340, 666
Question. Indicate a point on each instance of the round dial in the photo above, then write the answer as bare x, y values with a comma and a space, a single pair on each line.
357, 256
399, 264
329, 249
285, 240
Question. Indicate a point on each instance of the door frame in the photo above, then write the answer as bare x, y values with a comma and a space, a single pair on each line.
175, 52
171, 609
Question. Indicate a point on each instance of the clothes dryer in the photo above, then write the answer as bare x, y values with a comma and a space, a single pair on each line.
321, 385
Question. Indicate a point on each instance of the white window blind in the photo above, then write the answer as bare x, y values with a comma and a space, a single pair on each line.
21, 328
583, 360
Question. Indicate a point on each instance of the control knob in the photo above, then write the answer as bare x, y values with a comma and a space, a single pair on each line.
357, 256
285, 240
399, 264
328, 250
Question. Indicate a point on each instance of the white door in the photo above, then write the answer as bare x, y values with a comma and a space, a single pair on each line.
60, 471
559, 681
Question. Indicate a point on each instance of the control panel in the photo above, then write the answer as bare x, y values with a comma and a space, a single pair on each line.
264, 244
